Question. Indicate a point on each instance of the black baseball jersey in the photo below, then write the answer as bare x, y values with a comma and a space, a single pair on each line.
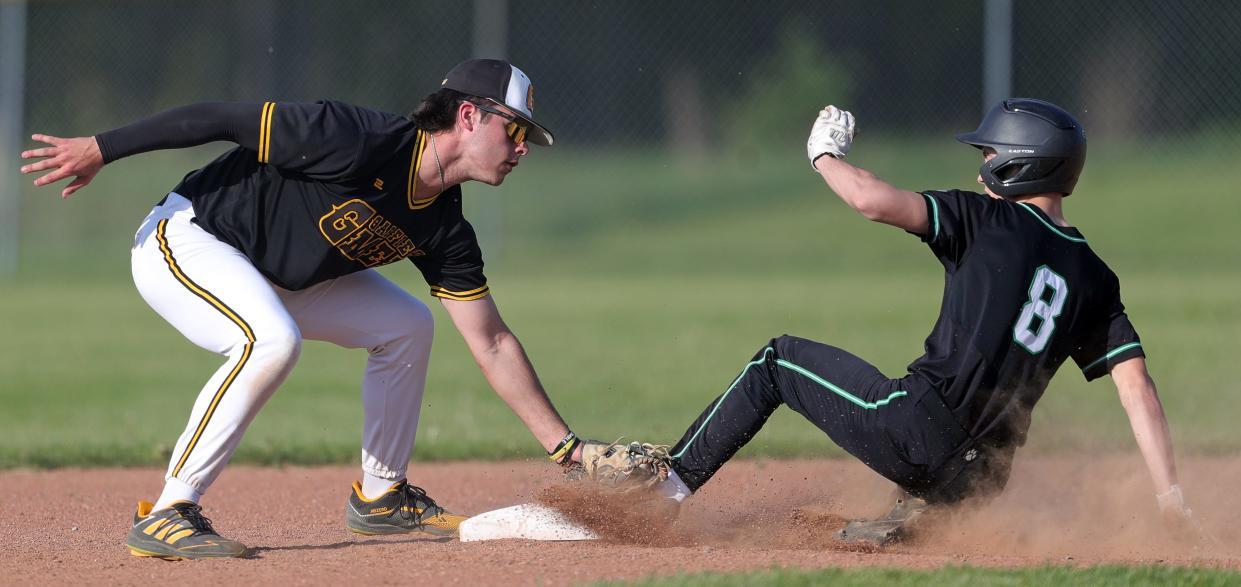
1021, 295
316, 191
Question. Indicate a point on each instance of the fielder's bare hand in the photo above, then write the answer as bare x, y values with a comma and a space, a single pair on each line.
78, 157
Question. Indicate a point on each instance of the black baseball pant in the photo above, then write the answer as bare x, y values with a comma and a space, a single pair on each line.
897, 427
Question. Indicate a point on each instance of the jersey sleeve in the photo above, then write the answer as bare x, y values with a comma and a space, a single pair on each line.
1112, 340
456, 271
953, 217
322, 140
184, 126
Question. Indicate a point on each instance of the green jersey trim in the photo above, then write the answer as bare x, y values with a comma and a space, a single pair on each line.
1049, 225
1120, 349
934, 215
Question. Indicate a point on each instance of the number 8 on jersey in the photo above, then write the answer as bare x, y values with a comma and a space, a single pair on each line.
1036, 341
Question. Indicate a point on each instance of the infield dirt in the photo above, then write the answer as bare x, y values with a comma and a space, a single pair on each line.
68, 526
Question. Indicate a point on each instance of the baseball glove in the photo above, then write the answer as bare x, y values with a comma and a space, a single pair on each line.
625, 467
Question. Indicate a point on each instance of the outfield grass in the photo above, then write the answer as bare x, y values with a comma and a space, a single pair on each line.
639, 284
1050, 575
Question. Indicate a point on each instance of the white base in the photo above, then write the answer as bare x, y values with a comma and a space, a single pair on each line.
529, 521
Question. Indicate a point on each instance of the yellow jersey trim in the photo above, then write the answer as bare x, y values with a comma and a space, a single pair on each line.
411, 184
265, 132
461, 296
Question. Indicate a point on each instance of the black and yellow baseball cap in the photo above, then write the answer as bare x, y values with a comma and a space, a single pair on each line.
501, 82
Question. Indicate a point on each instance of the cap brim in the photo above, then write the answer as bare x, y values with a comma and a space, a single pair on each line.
537, 133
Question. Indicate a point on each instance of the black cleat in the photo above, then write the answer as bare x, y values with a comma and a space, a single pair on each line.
404, 508
180, 531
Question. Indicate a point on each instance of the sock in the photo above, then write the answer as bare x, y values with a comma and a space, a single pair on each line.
373, 487
176, 490
673, 487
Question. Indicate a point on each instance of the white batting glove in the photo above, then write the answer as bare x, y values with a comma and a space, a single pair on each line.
1180, 520
832, 134
1172, 503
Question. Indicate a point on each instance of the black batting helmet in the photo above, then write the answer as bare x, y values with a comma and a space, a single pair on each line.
1039, 148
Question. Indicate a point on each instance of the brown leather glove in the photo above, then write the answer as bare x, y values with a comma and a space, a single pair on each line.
626, 467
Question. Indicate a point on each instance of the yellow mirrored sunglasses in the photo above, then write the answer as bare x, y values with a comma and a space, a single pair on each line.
516, 130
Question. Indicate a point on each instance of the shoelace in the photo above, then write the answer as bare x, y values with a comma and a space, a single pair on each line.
193, 514
411, 497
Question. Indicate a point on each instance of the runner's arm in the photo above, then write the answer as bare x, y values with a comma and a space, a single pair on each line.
1150, 427
872, 197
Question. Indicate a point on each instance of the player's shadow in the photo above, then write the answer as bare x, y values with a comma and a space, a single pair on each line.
257, 551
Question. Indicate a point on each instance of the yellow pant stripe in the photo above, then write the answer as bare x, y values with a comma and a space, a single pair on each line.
223, 309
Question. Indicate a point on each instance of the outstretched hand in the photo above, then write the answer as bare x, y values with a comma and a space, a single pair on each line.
77, 157
831, 134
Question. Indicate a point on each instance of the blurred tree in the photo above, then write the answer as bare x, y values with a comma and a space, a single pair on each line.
779, 100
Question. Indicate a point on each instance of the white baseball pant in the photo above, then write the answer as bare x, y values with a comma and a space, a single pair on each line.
213, 295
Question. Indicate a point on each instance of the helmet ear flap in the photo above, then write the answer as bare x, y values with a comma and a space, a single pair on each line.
998, 186
1019, 175
1027, 169
1011, 170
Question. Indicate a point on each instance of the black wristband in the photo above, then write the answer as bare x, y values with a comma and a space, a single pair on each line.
566, 446
567, 459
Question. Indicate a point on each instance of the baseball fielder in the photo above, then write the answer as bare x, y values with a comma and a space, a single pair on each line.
274, 242
1023, 292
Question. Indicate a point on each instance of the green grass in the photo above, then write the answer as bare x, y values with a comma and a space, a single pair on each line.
949, 576
640, 284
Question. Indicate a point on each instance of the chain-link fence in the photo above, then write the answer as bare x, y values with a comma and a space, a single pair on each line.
645, 70
685, 76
